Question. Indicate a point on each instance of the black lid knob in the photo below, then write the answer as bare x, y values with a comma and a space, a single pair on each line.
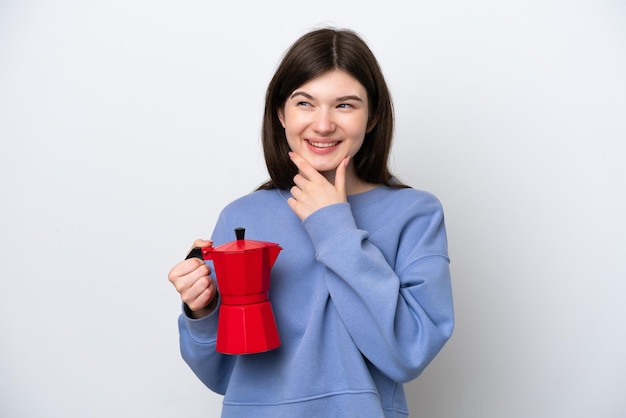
240, 233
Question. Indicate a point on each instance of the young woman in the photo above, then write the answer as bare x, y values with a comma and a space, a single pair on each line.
361, 291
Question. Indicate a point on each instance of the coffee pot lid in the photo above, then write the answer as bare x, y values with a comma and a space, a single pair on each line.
241, 244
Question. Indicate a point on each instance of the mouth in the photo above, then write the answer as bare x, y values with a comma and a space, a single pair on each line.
322, 144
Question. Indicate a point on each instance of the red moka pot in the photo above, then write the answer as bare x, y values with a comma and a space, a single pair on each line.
246, 321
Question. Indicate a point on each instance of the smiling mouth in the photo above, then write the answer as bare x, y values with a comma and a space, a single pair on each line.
323, 144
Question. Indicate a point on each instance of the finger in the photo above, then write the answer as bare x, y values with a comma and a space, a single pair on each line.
191, 285
300, 181
197, 288
340, 176
196, 249
187, 267
200, 295
292, 202
296, 192
202, 243
201, 301
306, 169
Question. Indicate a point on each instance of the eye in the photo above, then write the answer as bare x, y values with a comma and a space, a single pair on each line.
303, 104
344, 106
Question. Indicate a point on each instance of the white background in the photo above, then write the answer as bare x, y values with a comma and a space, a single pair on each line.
126, 125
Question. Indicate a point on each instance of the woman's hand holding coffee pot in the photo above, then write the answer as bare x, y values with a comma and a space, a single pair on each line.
192, 280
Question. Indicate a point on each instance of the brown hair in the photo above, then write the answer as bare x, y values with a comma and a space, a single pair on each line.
315, 53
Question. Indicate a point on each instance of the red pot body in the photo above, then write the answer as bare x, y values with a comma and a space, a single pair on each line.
246, 322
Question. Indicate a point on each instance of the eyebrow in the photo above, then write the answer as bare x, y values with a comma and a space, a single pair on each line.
338, 99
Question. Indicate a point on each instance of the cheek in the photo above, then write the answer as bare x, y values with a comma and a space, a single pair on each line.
287, 121
359, 129
295, 125
356, 146
292, 137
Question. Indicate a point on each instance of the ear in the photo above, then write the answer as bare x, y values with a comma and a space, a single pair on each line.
281, 115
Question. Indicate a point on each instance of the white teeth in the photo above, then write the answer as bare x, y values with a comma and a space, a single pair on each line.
323, 144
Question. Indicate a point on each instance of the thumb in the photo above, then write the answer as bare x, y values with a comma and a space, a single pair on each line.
202, 243
340, 176
195, 251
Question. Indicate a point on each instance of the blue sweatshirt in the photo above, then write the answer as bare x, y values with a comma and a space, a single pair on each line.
362, 298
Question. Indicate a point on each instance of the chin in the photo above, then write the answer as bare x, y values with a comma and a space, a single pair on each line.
325, 168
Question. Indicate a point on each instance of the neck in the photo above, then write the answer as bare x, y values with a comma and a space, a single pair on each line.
354, 184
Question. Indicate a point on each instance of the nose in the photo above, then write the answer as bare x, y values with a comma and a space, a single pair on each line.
324, 121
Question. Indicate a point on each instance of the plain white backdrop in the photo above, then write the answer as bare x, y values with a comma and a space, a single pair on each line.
125, 126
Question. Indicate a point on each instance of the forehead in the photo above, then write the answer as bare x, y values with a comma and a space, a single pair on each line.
334, 81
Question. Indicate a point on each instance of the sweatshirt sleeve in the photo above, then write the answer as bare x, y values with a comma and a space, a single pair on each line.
197, 347
398, 311
198, 338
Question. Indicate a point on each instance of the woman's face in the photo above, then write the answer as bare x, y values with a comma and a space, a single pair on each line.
326, 119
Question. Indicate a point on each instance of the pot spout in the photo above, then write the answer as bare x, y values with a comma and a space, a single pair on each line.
273, 252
